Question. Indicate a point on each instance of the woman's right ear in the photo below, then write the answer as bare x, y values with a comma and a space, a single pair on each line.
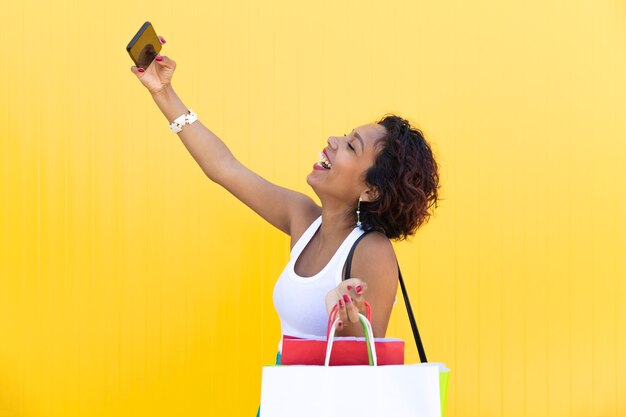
369, 195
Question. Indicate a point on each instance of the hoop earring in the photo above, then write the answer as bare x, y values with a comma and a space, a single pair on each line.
358, 213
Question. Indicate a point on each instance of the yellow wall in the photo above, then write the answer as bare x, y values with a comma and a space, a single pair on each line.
130, 285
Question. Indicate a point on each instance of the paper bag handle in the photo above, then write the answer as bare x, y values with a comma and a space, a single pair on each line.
335, 311
369, 341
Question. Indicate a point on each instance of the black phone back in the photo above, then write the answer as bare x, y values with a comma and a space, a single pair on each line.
144, 46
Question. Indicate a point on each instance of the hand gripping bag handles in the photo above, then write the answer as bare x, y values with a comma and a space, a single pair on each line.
346, 350
364, 390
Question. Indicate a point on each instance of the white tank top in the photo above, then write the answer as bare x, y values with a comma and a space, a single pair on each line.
301, 302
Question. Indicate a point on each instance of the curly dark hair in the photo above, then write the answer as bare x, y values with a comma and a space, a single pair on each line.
406, 178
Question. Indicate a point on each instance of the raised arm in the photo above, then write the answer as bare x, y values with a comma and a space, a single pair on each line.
278, 205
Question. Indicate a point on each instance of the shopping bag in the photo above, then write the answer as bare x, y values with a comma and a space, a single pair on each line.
346, 350
362, 390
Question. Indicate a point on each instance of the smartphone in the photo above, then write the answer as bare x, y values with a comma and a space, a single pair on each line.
144, 46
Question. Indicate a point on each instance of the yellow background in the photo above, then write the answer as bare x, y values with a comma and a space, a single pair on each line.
131, 285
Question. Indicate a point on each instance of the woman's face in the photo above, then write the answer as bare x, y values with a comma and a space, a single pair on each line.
340, 174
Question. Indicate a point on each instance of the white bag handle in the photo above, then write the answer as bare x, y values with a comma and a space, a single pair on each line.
369, 340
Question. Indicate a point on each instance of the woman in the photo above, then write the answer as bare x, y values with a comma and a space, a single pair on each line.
381, 177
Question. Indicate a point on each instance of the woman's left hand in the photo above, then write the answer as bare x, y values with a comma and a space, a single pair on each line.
349, 296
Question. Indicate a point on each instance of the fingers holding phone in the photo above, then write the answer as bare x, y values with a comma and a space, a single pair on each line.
155, 71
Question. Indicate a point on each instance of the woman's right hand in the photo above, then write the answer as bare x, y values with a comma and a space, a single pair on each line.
159, 73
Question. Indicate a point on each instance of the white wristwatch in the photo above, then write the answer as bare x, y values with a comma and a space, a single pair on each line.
182, 120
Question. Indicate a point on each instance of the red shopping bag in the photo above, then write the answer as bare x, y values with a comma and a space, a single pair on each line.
346, 350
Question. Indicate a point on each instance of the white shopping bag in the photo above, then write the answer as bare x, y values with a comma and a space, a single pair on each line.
364, 391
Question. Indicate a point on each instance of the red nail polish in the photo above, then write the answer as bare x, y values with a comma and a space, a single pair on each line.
163, 39
349, 287
340, 303
358, 289
141, 70
346, 298
159, 58
340, 324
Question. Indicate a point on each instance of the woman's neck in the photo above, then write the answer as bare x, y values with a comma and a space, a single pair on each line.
335, 226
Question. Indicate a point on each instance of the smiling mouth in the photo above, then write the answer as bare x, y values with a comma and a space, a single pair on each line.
323, 161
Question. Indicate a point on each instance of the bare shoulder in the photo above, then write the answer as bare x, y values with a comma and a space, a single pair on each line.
375, 256
374, 263
375, 247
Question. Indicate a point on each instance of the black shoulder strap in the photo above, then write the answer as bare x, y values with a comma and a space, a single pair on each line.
350, 254
416, 334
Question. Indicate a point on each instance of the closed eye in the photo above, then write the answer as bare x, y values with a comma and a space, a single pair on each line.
350, 145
